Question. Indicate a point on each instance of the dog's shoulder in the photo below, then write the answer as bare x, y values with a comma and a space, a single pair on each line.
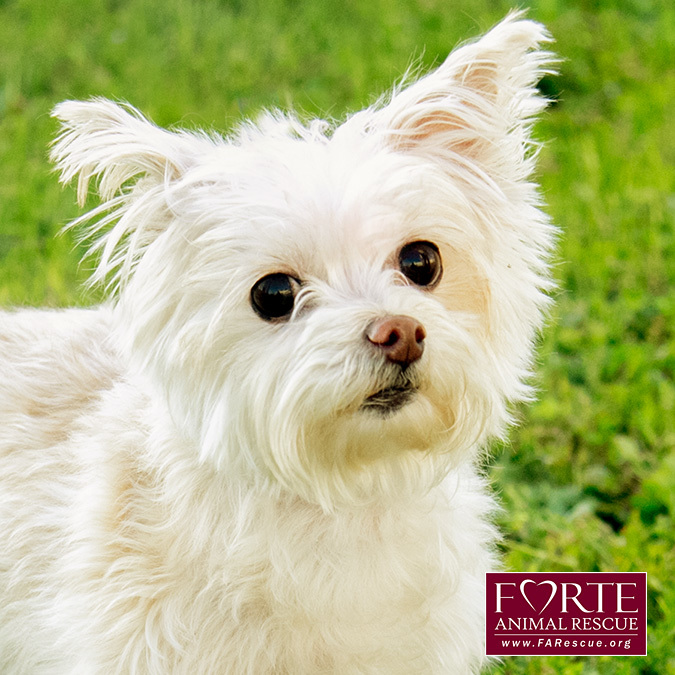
52, 359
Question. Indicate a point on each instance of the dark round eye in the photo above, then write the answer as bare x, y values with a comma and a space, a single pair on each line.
420, 261
272, 297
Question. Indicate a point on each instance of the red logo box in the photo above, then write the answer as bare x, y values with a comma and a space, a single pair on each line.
560, 613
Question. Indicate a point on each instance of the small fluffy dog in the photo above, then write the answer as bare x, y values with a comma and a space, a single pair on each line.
262, 455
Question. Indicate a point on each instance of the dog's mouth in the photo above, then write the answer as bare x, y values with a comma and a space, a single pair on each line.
390, 399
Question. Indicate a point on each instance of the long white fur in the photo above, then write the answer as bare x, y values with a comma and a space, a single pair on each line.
186, 488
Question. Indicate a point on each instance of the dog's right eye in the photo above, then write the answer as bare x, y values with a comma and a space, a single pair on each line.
273, 296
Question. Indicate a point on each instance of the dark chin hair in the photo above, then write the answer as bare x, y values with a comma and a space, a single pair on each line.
392, 398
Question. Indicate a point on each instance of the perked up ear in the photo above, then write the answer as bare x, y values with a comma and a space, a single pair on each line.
479, 103
116, 143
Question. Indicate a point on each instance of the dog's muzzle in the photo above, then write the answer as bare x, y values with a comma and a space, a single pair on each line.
400, 339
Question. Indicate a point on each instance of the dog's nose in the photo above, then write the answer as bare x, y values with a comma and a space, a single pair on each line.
401, 338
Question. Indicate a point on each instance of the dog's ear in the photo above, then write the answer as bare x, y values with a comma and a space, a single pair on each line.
479, 103
134, 161
116, 143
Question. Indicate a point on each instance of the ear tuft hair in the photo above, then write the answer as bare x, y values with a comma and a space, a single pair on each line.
116, 143
479, 103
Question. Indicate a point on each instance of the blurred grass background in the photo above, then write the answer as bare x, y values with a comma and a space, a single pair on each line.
588, 480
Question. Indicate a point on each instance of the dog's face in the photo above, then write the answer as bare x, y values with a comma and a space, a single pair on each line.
346, 311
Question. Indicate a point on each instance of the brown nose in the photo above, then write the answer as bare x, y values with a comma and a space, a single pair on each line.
401, 338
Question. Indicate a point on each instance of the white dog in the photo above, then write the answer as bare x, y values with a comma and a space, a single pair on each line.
261, 456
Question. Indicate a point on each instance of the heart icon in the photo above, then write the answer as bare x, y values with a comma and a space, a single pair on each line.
552, 584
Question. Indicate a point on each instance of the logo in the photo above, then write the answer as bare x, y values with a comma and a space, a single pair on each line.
561, 613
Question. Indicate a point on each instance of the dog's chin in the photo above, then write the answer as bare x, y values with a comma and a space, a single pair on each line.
391, 399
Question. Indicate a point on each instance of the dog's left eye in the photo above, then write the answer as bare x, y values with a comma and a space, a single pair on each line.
273, 296
420, 261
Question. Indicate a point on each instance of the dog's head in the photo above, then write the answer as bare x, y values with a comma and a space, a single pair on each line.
345, 310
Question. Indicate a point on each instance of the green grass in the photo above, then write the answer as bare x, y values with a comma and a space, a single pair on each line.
588, 480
